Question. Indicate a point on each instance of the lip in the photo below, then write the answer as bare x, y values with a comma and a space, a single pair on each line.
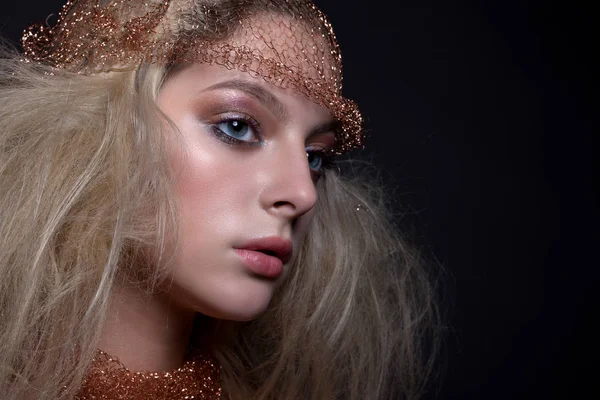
275, 245
266, 256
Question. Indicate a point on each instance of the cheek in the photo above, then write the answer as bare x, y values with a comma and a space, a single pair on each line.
216, 201
211, 193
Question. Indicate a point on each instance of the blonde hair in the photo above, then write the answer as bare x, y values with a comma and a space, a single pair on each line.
85, 185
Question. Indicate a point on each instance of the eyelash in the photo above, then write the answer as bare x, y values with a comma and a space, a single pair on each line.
252, 123
327, 159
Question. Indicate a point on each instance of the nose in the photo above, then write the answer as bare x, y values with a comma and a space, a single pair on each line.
290, 190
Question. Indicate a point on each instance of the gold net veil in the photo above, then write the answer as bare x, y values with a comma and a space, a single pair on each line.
288, 43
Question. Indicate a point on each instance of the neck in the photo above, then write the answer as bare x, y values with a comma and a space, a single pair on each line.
146, 333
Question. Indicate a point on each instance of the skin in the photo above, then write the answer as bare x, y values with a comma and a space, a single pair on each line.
228, 194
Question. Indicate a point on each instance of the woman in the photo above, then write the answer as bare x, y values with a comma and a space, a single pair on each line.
168, 205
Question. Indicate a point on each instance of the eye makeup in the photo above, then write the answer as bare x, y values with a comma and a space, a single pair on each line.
319, 159
235, 122
234, 116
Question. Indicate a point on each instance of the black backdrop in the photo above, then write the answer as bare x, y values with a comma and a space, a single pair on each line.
480, 115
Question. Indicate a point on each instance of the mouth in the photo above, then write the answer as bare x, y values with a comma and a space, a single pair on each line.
269, 253
273, 246
260, 263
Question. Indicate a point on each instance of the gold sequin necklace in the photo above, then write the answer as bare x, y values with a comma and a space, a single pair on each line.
109, 379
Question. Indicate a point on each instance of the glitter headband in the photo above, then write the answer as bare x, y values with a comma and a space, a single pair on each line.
289, 43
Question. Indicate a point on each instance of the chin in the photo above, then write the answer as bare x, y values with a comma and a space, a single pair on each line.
244, 300
239, 307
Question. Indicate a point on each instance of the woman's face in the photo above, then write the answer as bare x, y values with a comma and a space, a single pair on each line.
246, 171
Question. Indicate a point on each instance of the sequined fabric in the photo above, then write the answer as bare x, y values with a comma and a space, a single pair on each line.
108, 379
289, 43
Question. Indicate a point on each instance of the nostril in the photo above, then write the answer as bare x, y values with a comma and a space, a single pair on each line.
281, 203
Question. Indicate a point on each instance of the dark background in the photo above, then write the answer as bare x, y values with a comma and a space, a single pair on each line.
480, 115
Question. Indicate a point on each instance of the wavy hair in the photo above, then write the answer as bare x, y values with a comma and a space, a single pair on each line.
85, 186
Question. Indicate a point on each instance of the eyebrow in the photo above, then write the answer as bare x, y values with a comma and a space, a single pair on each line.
262, 95
273, 103
333, 126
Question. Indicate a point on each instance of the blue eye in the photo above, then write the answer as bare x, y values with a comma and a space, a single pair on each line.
315, 160
319, 160
238, 129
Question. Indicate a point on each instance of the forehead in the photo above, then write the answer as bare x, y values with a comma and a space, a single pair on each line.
288, 40
195, 79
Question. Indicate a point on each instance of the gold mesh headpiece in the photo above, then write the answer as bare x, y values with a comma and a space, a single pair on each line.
289, 43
